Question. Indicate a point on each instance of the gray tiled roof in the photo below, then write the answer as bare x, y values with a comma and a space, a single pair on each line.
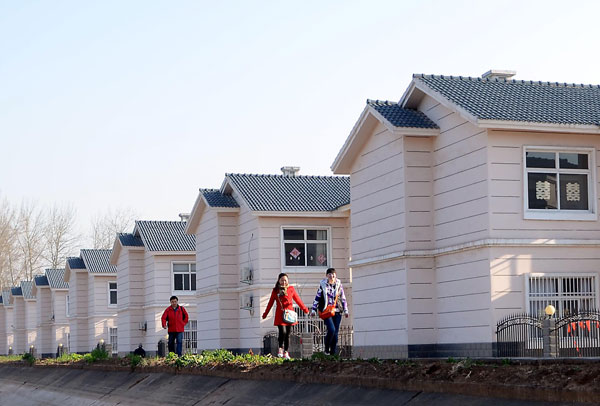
56, 278
401, 117
215, 198
16, 291
130, 240
292, 193
26, 287
165, 236
97, 261
75, 263
41, 280
519, 100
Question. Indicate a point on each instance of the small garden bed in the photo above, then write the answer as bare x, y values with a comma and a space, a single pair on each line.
558, 380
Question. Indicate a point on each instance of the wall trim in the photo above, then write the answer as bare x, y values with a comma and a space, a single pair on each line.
485, 243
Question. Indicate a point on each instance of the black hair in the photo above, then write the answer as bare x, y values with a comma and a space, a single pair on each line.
279, 277
330, 270
174, 297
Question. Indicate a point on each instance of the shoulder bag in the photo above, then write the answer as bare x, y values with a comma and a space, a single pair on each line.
289, 316
329, 310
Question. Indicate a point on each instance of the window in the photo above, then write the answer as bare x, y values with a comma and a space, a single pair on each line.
568, 294
558, 184
112, 293
190, 337
112, 335
68, 304
184, 276
306, 247
68, 342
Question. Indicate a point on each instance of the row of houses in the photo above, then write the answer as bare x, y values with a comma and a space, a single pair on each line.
467, 200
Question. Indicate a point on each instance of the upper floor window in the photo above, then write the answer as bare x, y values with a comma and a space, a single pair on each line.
112, 293
306, 247
68, 305
184, 276
559, 184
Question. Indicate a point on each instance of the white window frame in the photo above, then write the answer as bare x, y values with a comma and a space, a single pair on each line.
108, 293
542, 214
113, 339
68, 305
183, 292
306, 268
560, 297
190, 335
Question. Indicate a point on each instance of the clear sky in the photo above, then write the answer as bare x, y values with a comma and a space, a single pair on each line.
137, 104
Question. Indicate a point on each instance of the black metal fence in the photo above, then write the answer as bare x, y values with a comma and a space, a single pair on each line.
519, 335
574, 335
578, 335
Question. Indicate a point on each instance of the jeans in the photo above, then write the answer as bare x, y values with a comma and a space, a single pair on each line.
172, 338
333, 326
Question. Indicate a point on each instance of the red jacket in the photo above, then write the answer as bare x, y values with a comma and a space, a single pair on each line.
177, 319
284, 302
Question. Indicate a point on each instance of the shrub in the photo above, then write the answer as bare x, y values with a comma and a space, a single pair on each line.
98, 354
30, 359
135, 360
74, 357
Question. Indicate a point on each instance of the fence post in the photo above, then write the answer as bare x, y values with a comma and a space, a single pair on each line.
549, 339
306, 348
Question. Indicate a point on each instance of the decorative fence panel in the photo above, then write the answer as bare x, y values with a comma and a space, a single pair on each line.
578, 335
520, 335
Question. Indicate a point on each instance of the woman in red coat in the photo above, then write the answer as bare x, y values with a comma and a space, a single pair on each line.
284, 295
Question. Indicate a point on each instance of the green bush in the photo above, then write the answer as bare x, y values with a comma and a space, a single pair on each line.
99, 353
135, 360
74, 357
30, 359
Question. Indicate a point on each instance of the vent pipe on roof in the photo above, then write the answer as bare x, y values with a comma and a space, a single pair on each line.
184, 216
290, 170
499, 74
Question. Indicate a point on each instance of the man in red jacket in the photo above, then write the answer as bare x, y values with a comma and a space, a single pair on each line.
176, 317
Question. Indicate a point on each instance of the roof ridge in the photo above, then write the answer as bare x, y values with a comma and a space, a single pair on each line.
267, 175
505, 80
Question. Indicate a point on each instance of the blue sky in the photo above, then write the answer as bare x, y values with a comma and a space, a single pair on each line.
137, 104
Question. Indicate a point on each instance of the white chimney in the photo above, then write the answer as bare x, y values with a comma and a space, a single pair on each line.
499, 74
290, 170
184, 216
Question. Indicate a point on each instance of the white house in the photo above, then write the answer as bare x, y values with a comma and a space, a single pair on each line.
154, 262
250, 230
4, 310
30, 312
51, 292
92, 299
8, 326
472, 198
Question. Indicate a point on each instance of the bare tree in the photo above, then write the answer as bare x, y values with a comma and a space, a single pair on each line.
30, 233
59, 235
9, 253
106, 225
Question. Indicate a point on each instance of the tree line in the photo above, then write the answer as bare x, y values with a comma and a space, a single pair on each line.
35, 237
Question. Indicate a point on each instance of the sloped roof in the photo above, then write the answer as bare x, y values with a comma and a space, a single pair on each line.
292, 193
97, 261
165, 236
130, 240
401, 117
76, 263
26, 287
519, 100
41, 280
215, 198
55, 278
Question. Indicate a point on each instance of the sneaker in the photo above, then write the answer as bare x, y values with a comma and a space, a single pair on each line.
280, 353
286, 355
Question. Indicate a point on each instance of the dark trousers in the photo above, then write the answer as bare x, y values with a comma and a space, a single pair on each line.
284, 337
331, 339
172, 338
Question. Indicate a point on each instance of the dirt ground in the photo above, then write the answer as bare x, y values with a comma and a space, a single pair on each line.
565, 380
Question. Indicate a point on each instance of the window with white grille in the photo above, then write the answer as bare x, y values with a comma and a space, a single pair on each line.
559, 183
112, 294
68, 305
112, 331
568, 294
305, 247
190, 337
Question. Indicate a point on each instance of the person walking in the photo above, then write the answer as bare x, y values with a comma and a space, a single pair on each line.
284, 294
176, 317
330, 301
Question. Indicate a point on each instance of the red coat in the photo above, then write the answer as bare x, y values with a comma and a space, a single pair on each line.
177, 319
284, 302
